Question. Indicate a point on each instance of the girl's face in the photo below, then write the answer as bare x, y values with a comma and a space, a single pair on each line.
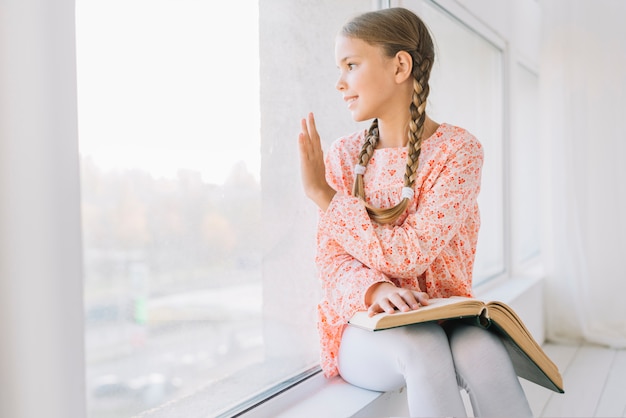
367, 79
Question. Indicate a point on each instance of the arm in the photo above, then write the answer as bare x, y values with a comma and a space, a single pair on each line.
407, 250
349, 286
344, 280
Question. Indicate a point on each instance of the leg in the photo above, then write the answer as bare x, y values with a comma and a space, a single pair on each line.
417, 356
485, 371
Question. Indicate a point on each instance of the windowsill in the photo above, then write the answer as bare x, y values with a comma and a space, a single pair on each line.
317, 396
321, 397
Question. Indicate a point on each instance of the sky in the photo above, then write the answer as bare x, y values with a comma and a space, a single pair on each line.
165, 85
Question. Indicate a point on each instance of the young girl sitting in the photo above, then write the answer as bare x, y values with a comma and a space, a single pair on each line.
398, 225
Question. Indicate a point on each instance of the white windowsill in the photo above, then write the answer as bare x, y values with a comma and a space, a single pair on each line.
321, 397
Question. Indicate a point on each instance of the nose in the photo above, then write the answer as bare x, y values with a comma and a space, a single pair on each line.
341, 84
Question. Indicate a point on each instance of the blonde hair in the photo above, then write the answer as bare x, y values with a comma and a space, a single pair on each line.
394, 30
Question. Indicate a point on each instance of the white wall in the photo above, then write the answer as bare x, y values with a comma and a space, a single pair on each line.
298, 75
41, 328
583, 87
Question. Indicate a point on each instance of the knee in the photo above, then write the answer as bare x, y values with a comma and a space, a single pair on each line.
474, 339
471, 346
423, 341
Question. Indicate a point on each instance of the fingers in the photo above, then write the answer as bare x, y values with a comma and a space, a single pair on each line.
312, 128
309, 133
311, 153
377, 308
304, 142
422, 298
403, 300
308, 127
305, 128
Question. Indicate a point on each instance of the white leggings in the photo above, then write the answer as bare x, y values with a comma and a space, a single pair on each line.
433, 365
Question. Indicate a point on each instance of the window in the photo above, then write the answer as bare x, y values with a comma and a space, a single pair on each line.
169, 126
467, 90
198, 241
200, 286
525, 167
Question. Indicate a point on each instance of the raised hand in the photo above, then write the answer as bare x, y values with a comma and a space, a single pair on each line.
313, 170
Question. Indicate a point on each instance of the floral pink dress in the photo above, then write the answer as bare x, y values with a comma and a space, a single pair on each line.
430, 248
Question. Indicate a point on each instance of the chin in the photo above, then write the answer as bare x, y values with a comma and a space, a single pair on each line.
359, 117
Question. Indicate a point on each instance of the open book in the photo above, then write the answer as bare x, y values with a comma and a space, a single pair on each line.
529, 359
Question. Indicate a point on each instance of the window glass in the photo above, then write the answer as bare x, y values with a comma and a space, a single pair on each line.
467, 90
171, 198
525, 166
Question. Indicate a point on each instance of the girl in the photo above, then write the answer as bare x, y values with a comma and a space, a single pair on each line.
398, 225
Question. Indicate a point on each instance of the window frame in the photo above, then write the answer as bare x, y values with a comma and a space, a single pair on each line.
465, 19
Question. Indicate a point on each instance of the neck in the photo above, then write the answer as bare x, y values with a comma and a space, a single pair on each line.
397, 136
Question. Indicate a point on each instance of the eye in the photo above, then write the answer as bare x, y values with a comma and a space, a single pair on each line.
347, 67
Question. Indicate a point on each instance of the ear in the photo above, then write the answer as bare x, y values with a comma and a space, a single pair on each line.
404, 66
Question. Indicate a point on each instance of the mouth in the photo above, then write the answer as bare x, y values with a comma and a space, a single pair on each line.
350, 100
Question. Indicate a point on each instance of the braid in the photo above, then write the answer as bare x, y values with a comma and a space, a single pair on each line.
396, 29
371, 140
416, 125
367, 150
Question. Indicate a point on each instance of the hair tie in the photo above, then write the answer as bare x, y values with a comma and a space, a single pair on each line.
359, 169
408, 193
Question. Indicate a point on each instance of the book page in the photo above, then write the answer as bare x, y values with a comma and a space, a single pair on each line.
437, 308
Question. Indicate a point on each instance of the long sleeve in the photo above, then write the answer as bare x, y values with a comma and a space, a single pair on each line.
345, 279
408, 249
